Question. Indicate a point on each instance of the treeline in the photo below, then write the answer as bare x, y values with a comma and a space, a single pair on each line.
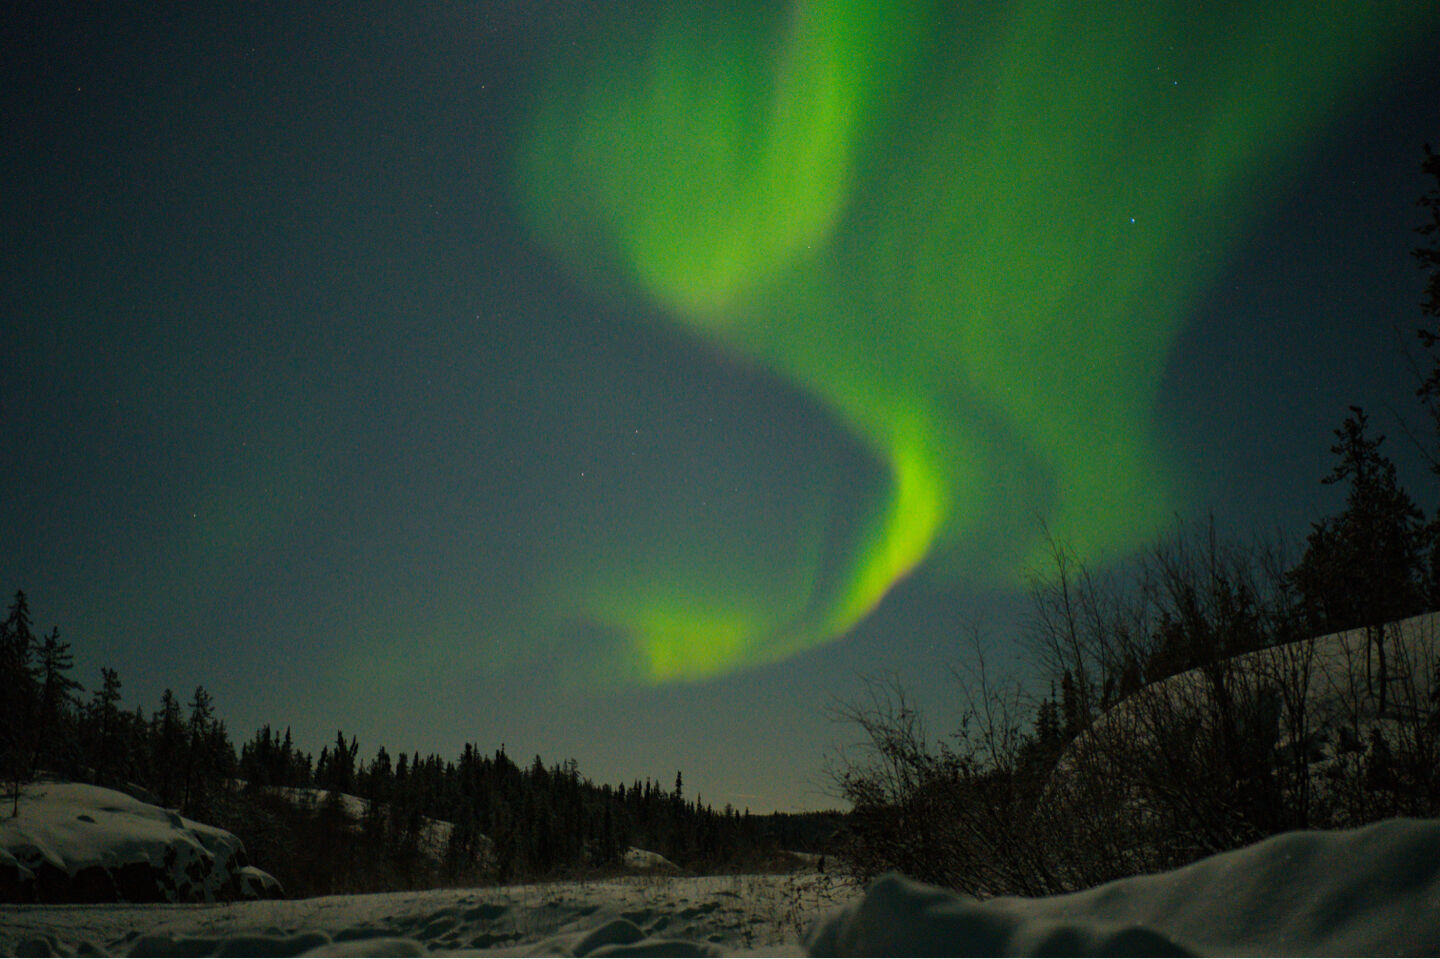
484, 818
415, 821
180, 753
1190, 708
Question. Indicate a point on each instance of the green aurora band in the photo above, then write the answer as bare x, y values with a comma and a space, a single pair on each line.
973, 237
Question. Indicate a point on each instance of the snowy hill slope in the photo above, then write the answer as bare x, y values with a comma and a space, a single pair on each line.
73, 842
1339, 675
1318, 699
434, 833
1367, 891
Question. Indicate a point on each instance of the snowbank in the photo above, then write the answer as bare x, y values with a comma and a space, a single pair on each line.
1368, 891
78, 843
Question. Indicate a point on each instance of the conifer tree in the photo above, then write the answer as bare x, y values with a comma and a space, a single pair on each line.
17, 704
1428, 256
57, 689
168, 736
199, 758
105, 726
1363, 567
288, 772
339, 764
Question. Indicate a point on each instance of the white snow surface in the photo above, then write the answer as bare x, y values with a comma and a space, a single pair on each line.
687, 915
1370, 891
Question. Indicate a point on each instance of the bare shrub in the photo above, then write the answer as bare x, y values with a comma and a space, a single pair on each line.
1182, 765
1191, 719
953, 813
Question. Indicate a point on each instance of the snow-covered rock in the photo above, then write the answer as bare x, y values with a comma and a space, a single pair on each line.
643, 860
73, 842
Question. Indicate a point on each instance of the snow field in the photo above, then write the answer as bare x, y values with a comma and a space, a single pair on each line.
708, 913
1370, 891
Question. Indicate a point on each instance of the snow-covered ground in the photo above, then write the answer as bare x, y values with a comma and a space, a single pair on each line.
709, 913
1372, 891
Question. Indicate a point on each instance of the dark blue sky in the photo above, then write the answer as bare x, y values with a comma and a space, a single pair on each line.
295, 407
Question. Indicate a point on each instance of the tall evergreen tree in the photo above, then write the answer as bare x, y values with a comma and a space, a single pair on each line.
57, 689
339, 764
168, 736
1364, 566
104, 722
1429, 391
288, 767
199, 758
18, 702
1429, 257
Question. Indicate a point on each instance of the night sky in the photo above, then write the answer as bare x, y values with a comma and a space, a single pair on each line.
625, 381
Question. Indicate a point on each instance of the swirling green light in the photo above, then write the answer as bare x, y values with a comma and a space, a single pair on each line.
973, 240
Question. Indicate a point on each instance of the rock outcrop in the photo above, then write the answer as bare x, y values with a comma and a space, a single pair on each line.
73, 842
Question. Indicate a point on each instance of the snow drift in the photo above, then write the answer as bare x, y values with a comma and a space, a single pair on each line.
1369, 891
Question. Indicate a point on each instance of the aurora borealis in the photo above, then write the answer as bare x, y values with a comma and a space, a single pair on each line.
623, 380
994, 291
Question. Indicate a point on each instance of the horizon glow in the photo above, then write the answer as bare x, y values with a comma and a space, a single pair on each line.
973, 242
